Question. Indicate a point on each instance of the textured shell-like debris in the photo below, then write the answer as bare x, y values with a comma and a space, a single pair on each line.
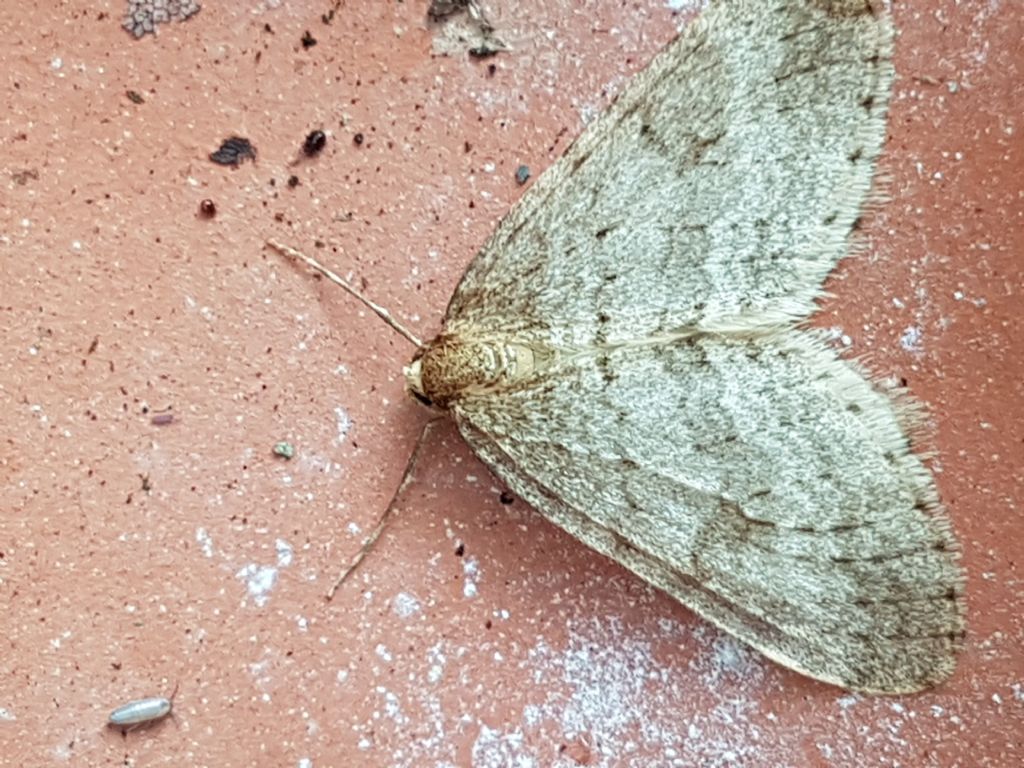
144, 16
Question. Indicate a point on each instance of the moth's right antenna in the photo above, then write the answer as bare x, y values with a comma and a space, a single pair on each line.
334, 278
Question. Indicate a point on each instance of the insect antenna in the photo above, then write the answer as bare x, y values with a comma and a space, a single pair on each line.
382, 313
407, 477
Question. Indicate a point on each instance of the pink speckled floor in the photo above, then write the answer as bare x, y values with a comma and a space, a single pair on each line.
135, 556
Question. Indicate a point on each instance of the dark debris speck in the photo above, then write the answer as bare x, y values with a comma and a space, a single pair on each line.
314, 143
234, 151
522, 174
308, 41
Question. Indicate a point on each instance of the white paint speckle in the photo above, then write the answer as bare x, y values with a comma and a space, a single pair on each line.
285, 553
259, 580
845, 702
911, 339
437, 660
6, 714
382, 651
494, 749
205, 541
392, 706
305, 762
471, 572
343, 423
685, 5
405, 605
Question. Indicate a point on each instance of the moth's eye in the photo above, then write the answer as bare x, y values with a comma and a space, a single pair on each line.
422, 398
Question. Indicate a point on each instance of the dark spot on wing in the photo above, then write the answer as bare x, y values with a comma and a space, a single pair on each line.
605, 367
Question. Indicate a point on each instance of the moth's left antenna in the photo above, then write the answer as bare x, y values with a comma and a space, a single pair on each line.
338, 280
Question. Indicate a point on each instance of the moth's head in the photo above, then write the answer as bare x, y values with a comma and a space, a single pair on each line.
414, 380
444, 369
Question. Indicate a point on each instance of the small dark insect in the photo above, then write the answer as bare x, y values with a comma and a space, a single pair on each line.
233, 151
135, 97
162, 419
308, 41
522, 174
314, 143
506, 497
208, 209
358, 139
293, 181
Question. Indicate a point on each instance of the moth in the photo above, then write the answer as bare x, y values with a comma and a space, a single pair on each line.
628, 351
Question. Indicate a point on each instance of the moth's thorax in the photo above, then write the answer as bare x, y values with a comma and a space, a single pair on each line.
450, 367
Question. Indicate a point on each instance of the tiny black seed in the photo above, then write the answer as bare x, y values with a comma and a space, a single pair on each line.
293, 181
358, 139
460, 550
308, 41
506, 497
208, 208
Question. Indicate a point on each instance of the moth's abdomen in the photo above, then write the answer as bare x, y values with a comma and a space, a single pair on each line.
451, 367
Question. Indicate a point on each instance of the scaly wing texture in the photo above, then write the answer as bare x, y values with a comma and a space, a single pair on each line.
764, 484
725, 180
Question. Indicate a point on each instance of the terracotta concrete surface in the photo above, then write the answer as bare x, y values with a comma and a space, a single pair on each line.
136, 555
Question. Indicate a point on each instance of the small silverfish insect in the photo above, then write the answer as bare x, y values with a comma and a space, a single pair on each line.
142, 710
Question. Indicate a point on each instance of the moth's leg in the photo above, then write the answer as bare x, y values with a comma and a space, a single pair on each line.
410, 470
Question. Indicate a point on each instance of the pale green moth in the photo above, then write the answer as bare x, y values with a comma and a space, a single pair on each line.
626, 351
